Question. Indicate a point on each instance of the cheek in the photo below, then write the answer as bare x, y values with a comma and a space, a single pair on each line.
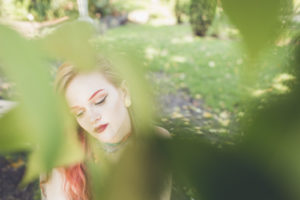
84, 124
115, 109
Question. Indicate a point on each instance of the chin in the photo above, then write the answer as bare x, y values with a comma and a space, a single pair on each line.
107, 139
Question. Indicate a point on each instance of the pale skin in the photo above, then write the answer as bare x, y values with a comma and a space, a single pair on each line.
99, 107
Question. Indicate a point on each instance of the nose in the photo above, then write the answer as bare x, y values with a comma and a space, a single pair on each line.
95, 117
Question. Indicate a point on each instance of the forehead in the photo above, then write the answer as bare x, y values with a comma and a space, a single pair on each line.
82, 86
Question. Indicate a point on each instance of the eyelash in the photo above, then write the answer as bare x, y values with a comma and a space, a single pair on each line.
79, 114
97, 103
102, 101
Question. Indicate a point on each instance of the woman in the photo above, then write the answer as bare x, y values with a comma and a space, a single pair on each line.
101, 103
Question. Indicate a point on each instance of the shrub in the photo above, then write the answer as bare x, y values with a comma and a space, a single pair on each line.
181, 10
202, 13
37, 10
102, 7
221, 26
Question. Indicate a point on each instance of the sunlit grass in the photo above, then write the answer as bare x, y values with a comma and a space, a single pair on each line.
207, 66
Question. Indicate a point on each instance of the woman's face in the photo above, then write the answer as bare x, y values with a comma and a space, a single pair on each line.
99, 107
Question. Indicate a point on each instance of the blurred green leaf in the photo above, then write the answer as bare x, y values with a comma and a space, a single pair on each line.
24, 63
12, 137
71, 42
259, 21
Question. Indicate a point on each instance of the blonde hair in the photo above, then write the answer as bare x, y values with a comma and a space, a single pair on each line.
66, 72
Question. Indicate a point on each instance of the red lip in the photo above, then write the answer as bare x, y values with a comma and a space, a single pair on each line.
100, 128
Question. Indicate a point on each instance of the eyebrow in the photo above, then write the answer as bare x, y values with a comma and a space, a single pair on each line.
76, 107
95, 94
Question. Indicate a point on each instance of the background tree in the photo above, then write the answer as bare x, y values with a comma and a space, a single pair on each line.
202, 13
181, 10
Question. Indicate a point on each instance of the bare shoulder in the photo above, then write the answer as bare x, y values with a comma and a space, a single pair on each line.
52, 185
162, 132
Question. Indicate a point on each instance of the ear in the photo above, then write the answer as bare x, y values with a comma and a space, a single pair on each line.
125, 93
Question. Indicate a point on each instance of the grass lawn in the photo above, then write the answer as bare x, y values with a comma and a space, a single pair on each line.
209, 67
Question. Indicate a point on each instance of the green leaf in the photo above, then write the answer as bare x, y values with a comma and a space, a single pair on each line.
71, 42
39, 119
260, 22
11, 134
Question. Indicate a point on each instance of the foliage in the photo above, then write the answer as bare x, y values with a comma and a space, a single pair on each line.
40, 121
130, 5
102, 7
221, 27
259, 28
181, 10
39, 10
105, 7
262, 165
202, 13
19, 9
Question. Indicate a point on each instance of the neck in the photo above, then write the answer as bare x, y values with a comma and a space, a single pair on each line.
113, 147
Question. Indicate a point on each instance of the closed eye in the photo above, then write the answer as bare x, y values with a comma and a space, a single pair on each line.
80, 113
77, 111
100, 101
